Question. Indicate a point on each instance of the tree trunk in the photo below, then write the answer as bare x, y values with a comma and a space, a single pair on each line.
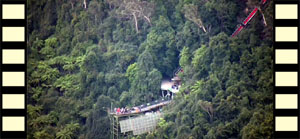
264, 19
84, 4
148, 19
204, 29
136, 23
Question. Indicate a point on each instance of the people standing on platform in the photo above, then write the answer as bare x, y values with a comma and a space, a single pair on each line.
118, 110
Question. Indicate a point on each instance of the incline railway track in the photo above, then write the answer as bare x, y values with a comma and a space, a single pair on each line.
242, 25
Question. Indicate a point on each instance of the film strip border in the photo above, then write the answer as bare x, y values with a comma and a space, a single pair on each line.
13, 79
286, 69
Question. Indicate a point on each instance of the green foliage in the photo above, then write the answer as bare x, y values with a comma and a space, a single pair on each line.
131, 72
68, 132
184, 57
82, 62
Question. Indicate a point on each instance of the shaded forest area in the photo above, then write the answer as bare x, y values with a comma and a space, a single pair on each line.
85, 55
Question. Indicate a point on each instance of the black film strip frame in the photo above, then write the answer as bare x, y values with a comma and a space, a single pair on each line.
286, 89
12, 45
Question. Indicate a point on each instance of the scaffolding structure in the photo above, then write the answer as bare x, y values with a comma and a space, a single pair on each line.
127, 126
114, 127
141, 124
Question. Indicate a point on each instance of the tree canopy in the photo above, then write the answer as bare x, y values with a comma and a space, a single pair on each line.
85, 56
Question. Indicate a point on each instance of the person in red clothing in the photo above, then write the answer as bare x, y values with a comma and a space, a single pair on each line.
118, 110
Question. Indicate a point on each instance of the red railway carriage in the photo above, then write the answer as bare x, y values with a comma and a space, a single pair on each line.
247, 20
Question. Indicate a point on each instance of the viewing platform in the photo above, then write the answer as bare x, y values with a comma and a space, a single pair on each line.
141, 119
142, 108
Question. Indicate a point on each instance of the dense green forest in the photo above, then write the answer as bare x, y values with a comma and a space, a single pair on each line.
85, 55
